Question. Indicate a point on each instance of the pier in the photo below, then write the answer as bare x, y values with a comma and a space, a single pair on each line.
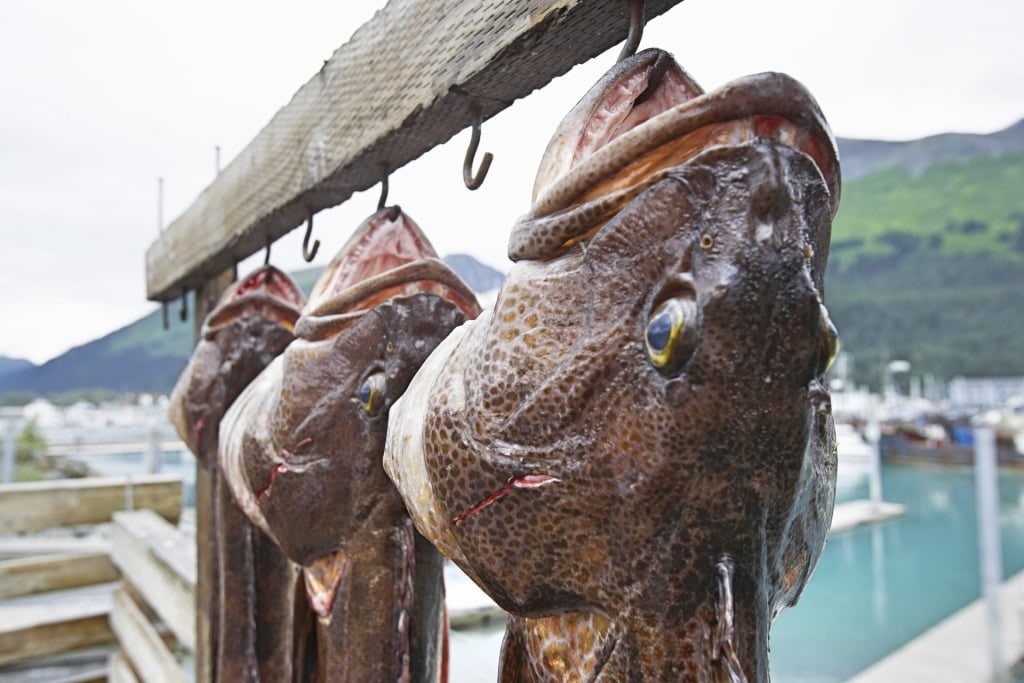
956, 649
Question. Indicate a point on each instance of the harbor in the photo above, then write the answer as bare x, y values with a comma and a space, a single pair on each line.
903, 571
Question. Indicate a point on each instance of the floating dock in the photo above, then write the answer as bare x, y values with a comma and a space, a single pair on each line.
957, 648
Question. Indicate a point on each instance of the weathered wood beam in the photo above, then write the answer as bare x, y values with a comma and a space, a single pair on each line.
159, 562
119, 670
33, 506
53, 630
30, 575
407, 81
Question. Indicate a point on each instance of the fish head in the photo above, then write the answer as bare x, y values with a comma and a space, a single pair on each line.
647, 397
251, 324
308, 470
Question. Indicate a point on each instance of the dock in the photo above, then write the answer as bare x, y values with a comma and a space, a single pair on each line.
855, 513
957, 648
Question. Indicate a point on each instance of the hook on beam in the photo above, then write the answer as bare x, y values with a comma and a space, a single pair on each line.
636, 29
307, 253
382, 202
471, 179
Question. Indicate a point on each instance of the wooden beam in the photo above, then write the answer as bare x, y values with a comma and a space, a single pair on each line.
159, 563
407, 81
119, 670
31, 575
33, 506
142, 644
53, 630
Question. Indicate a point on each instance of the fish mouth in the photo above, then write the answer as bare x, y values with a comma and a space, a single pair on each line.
388, 256
643, 119
267, 291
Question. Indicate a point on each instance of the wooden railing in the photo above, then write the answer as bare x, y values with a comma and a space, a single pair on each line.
60, 593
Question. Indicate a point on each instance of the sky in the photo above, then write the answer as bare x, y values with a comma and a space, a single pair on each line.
100, 99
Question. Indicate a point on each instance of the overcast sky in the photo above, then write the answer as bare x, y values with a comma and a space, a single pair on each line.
101, 98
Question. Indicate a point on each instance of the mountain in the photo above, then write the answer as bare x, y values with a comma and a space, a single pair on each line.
8, 365
143, 357
862, 157
479, 277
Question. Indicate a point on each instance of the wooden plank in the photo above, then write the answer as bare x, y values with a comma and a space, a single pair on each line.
160, 564
142, 644
119, 669
52, 631
31, 575
407, 81
34, 506
14, 547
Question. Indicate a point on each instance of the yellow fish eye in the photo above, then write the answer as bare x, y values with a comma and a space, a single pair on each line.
371, 393
669, 334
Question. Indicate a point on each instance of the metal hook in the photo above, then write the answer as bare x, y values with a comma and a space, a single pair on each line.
473, 181
183, 311
383, 193
307, 253
636, 29
266, 255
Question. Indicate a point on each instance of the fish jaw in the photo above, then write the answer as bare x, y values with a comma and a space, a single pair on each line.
578, 192
630, 93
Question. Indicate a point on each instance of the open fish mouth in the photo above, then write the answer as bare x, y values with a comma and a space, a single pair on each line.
643, 119
266, 291
387, 257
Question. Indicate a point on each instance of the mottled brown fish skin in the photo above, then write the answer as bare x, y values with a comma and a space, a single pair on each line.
652, 476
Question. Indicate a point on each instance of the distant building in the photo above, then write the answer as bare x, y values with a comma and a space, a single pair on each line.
984, 393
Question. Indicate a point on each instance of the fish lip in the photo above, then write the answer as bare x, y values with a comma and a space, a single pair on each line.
388, 256
267, 291
757, 103
635, 78
383, 241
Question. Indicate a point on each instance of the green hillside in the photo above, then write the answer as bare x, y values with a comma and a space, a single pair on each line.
929, 267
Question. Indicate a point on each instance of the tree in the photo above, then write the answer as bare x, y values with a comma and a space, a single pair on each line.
29, 444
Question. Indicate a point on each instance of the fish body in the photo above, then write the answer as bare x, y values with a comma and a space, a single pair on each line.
254, 583
633, 451
303, 454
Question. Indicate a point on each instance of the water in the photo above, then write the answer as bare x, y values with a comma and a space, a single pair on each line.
879, 586
875, 588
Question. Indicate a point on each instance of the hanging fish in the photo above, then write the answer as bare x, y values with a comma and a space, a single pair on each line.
302, 452
255, 584
633, 451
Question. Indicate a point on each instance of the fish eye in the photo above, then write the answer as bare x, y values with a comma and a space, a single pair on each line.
371, 393
830, 343
670, 334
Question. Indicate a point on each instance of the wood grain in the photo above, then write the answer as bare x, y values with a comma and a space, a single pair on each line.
407, 81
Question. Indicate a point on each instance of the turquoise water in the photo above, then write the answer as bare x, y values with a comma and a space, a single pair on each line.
879, 586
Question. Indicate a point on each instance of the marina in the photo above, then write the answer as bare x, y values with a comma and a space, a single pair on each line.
889, 575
